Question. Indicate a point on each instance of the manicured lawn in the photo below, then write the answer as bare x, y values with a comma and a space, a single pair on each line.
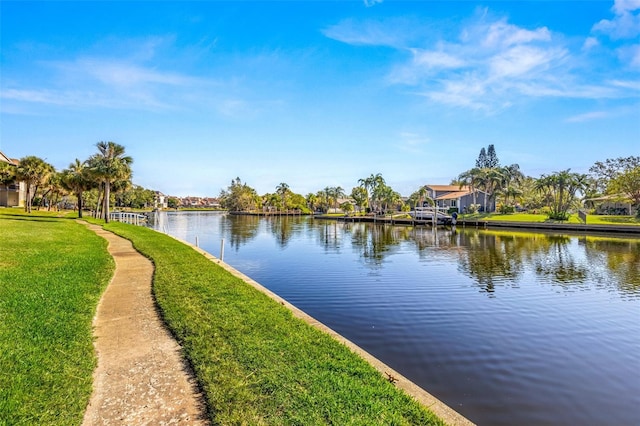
528, 217
256, 362
52, 274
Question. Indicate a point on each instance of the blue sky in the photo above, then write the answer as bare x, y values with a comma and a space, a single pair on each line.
319, 93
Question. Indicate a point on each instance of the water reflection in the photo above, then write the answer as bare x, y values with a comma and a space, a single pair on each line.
493, 259
239, 230
508, 327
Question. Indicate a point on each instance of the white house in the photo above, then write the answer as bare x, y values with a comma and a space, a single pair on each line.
11, 193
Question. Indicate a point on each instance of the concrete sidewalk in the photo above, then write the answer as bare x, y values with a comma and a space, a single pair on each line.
141, 378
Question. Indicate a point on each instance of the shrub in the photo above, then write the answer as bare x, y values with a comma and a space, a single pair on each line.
505, 209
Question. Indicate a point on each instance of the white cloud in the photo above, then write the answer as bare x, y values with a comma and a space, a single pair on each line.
589, 116
523, 60
630, 55
626, 22
436, 59
633, 84
391, 32
370, 3
590, 43
489, 64
622, 6
501, 34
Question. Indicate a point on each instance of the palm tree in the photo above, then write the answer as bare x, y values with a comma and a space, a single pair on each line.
473, 179
282, 189
359, 195
491, 180
420, 196
54, 189
312, 201
512, 178
7, 176
33, 171
337, 192
77, 180
370, 184
109, 165
559, 189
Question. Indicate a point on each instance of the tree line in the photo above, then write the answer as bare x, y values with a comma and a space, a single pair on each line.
555, 194
101, 180
105, 179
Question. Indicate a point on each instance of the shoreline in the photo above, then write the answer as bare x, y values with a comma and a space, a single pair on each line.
439, 408
487, 224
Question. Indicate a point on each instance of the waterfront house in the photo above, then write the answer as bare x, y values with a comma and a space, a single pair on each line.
457, 197
614, 204
11, 193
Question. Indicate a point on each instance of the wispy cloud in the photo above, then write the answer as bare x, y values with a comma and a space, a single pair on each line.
131, 81
489, 64
412, 143
626, 22
390, 32
370, 3
589, 116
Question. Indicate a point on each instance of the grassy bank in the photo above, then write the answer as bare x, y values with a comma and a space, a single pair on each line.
52, 273
257, 363
539, 218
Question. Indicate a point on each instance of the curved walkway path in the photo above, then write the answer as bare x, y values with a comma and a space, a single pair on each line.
141, 376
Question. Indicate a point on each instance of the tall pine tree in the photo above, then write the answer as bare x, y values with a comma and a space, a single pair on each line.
492, 159
488, 159
481, 162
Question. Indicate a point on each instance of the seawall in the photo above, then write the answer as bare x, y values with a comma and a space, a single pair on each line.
443, 411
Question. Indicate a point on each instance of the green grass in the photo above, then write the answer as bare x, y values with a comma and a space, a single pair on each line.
255, 361
529, 217
52, 273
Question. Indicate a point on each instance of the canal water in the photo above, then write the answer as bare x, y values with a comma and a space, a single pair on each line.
505, 327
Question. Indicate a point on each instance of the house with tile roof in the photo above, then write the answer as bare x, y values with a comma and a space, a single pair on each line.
11, 193
460, 197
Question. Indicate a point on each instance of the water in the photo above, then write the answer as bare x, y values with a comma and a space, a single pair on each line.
505, 327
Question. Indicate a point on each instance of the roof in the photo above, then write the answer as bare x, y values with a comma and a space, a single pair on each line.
448, 188
6, 159
453, 195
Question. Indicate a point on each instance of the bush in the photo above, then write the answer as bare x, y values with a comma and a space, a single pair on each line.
505, 209
473, 208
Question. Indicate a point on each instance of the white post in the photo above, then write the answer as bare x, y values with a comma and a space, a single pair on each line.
222, 250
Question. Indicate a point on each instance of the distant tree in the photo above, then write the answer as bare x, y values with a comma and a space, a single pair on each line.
472, 178
337, 192
370, 185
110, 165
603, 172
312, 201
627, 184
492, 158
509, 186
359, 196
419, 197
33, 171
7, 174
76, 179
173, 202
52, 190
283, 189
239, 197
559, 190
481, 161
487, 159
346, 207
